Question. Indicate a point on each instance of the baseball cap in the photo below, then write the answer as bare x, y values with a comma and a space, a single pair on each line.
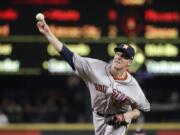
126, 48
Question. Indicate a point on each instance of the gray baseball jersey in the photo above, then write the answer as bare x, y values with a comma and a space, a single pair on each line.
109, 96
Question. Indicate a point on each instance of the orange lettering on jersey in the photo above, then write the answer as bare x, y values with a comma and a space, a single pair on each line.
119, 96
115, 93
101, 88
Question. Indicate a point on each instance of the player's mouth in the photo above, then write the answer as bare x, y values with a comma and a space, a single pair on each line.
117, 63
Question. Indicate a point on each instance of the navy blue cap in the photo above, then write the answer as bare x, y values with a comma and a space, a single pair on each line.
126, 48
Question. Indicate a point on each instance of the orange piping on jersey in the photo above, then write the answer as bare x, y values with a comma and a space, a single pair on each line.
121, 77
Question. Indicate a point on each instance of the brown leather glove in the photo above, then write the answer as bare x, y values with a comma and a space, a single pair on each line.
116, 120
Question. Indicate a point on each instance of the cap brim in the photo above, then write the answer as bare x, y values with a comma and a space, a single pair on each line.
122, 50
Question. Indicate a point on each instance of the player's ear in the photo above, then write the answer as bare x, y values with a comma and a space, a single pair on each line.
129, 63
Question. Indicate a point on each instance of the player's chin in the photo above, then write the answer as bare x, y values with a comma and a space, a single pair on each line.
117, 66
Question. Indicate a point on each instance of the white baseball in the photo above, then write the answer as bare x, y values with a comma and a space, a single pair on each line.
39, 17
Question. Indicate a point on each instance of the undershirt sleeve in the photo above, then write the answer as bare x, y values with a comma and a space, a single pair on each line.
67, 55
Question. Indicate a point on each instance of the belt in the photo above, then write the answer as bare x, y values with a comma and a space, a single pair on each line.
104, 114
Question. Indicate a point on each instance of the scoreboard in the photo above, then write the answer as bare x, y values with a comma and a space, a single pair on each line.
90, 28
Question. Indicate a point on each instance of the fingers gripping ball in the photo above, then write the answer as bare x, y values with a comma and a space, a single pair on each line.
39, 17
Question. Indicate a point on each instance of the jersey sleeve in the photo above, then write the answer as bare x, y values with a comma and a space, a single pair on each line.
142, 105
140, 101
82, 66
79, 64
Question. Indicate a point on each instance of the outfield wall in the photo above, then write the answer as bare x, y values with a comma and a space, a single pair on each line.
83, 129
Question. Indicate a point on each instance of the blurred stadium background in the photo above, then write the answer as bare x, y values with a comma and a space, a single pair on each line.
39, 94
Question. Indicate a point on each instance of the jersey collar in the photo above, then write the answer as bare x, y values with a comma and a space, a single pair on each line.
127, 79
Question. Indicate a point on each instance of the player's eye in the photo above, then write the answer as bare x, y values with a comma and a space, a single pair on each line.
125, 56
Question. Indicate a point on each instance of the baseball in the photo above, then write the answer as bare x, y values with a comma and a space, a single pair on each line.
39, 17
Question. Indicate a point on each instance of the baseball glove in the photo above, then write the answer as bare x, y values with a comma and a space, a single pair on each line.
116, 120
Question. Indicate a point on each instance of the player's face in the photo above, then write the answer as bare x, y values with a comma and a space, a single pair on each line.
121, 61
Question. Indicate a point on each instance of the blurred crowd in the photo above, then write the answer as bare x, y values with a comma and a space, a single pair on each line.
69, 102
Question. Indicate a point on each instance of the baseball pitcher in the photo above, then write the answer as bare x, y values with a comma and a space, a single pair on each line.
116, 96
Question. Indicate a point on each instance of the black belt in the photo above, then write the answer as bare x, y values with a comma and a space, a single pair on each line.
104, 114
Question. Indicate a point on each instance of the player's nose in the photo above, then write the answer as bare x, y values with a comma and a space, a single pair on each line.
119, 57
